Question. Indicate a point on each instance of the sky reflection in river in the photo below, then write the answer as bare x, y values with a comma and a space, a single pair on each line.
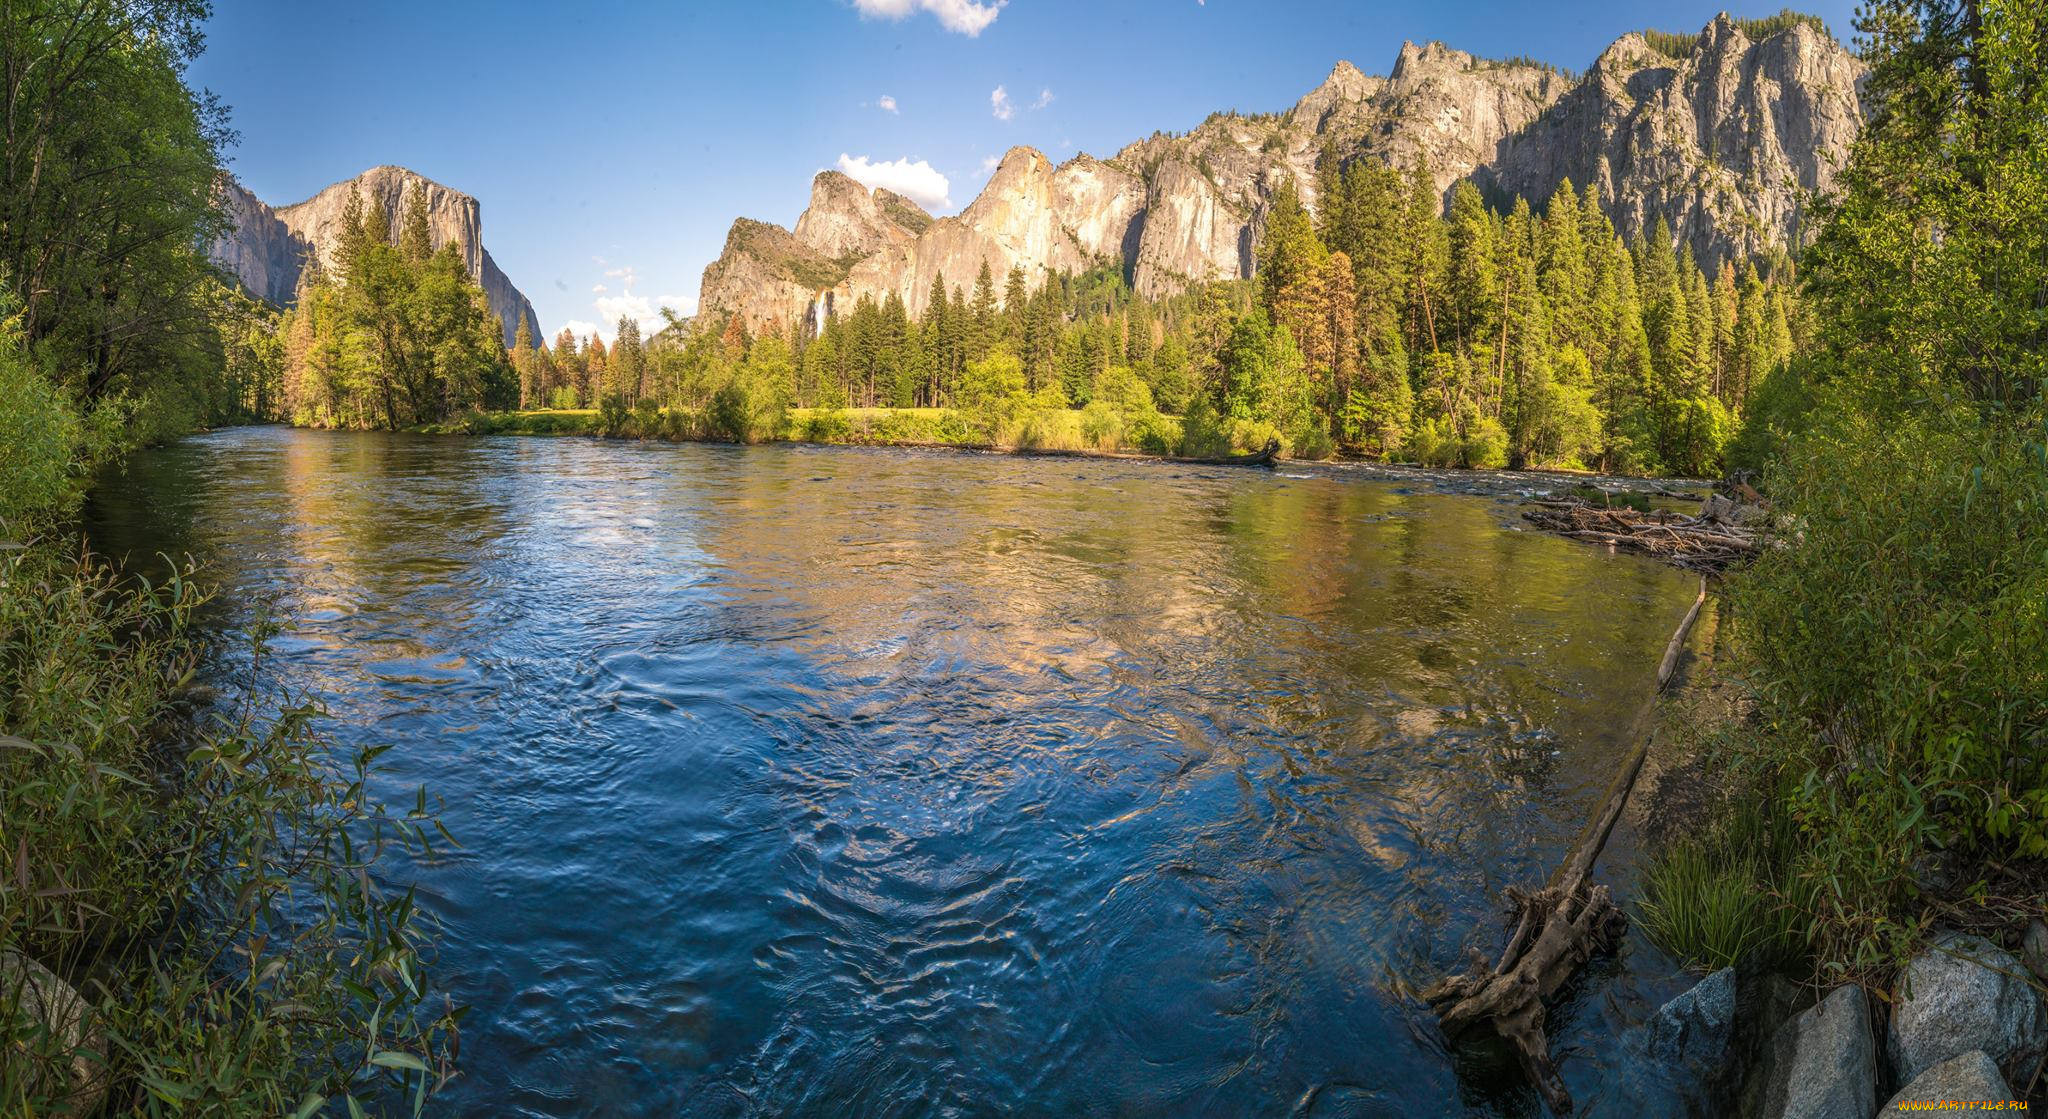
797, 780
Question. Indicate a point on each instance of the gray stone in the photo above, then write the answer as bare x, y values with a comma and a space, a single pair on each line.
63, 1055
1969, 1076
1676, 1062
1823, 1063
1966, 993
2034, 949
1694, 1029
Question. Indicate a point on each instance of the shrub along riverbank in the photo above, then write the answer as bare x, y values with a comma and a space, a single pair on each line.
1050, 430
1884, 791
188, 921
189, 916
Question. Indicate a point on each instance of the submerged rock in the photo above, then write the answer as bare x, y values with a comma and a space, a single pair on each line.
54, 1049
1676, 1063
1694, 1029
1971, 1076
1966, 993
1823, 1063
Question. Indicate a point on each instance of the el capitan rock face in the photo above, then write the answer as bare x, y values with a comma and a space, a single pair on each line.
267, 249
1727, 143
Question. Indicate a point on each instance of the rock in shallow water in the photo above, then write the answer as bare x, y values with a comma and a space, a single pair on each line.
1971, 1076
1694, 1028
1966, 993
1823, 1064
1675, 1063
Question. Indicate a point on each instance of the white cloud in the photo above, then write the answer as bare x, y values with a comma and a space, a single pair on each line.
638, 307
580, 328
920, 181
1044, 99
887, 103
968, 17
999, 104
598, 289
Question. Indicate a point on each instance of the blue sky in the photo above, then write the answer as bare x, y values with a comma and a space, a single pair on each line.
611, 145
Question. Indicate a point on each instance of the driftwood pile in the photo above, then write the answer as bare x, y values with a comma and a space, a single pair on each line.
1723, 533
1557, 929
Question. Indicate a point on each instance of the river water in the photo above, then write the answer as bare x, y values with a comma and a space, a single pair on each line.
831, 781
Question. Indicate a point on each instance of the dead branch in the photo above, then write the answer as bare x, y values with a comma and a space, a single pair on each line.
1557, 929
1722, 534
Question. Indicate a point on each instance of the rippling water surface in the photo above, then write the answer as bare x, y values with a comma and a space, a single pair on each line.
799, 780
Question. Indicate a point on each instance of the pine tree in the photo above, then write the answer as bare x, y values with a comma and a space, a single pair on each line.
570, 364
377, 223
415, 242
1016, 296
1423, 261
1474, 298
527, 366
984, 329
1566, 277
595, 367
627, 365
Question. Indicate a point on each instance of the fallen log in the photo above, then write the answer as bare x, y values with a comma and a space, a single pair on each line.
1557, 929
1264, 456
1710, 542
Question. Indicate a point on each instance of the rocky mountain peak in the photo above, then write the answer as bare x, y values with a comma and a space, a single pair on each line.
1725, 140
1626, 55
1431, 59
1022, 169
845, 220
1346, 85
268, 249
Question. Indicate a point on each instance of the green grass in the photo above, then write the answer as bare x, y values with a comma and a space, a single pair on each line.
1080, 430
1712, 907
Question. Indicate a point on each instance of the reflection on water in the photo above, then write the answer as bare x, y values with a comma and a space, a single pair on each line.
797, 780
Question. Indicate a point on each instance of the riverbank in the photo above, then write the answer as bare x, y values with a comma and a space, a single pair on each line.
1061, 429
1773, 1030
162, 849
1951, 1007
1052, 432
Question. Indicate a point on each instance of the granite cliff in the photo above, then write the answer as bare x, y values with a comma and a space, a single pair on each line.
267, 248
1726, 135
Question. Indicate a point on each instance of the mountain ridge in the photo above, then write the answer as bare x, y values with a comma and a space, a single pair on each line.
1725, 140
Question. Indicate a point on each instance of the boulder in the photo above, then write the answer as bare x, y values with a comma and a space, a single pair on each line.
53, 1046
1966, 993
1694, 1029
1823, 1063
1970, 1076
2034, 948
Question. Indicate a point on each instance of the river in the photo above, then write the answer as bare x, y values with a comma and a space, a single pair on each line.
808, 780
